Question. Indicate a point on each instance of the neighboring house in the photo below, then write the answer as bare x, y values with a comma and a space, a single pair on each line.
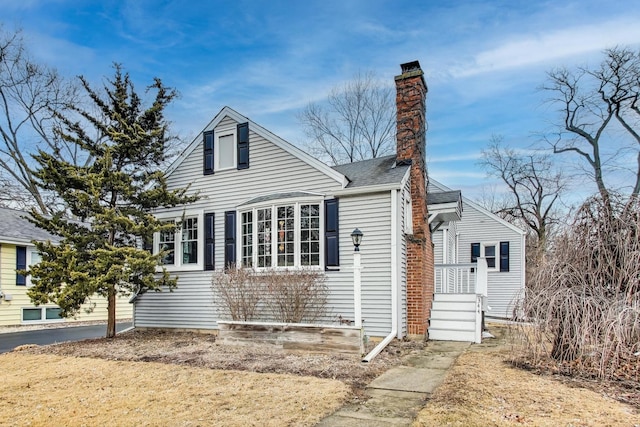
17, 252
266, 203
480, 233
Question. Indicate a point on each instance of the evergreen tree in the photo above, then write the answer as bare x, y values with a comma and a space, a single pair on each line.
112, 197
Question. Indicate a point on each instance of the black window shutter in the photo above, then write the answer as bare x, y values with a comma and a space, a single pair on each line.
504, 256
243, 146
229, 238
475, 252
209, 241
208, 152
331, 243
21, 264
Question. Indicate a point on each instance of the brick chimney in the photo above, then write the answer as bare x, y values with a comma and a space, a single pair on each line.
411, 91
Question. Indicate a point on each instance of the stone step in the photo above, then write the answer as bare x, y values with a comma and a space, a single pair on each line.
451, 335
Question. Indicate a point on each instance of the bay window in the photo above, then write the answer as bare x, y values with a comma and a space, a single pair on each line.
285, 235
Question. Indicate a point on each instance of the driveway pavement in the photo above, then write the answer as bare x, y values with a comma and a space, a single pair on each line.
50, 336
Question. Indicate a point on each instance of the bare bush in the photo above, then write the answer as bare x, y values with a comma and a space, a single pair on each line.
238, 293
295, 296
583, 300
290, 296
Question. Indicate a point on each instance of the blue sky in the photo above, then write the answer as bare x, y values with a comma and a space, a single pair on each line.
483, 60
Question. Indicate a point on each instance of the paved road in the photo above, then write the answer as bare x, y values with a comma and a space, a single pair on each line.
49, 336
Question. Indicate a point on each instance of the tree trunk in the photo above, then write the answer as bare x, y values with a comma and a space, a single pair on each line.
111, 313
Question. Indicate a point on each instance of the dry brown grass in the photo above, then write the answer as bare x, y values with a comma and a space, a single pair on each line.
483, 389
45, 389
202, 350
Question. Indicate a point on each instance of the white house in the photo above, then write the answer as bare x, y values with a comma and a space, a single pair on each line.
481, 233
267, 204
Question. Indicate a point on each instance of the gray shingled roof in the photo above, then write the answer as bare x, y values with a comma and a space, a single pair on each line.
276, 196
14, 227
378, 171
436, 198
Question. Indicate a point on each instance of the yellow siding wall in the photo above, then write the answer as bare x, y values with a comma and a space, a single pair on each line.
11, 311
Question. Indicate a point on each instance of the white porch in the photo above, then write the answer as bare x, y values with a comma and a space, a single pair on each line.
460, 294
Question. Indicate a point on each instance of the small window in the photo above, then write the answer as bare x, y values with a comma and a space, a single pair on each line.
247, 239
309, 235
40, 314
263, 225
31, 314
190, 241
489, 252
53, 313
185, 247
225, 157
168, 246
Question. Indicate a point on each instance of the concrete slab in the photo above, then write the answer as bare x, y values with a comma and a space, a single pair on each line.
406, 378
349, 421
433, 361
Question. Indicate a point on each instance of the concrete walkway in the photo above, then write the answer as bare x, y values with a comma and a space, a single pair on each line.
398, 395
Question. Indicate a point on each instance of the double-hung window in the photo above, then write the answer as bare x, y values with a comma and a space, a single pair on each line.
182, 249
496, 255
282, 235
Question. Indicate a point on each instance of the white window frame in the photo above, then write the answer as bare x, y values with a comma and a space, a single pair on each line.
221, 133
496, 256
408, 212
274, 233
43, 315
30, 251
178, 265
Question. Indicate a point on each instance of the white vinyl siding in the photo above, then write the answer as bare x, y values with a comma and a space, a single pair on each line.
273, 170
480, 226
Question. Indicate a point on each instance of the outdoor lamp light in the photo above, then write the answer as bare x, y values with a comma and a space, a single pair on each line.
356, 238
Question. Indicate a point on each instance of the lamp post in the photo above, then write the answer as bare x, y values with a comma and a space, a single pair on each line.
356, 238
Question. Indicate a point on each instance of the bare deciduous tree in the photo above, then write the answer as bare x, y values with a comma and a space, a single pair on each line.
30, 95
534, 187
600, 113
357, 122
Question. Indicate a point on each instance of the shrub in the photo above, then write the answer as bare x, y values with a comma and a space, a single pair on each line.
238, 293
583, 302
289, 296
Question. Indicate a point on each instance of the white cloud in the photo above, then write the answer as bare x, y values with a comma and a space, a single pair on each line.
543, 47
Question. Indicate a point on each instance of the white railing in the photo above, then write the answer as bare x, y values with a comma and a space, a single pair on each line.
470, 278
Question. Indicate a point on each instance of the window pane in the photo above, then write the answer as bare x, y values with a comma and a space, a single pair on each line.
167, 245
247, 239
226, 149
491, 262
31, 314
190, 241
285, 222
53, 313
310, 235
35, 258
264, 237
489, 251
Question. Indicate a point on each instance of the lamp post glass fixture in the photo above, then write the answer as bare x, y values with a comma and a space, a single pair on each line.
356, 238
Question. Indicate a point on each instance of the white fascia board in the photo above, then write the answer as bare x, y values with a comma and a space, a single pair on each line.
356, 191
16, 242
269, 136
479, 208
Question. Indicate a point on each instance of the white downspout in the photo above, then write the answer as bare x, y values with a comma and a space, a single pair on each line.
394, 281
